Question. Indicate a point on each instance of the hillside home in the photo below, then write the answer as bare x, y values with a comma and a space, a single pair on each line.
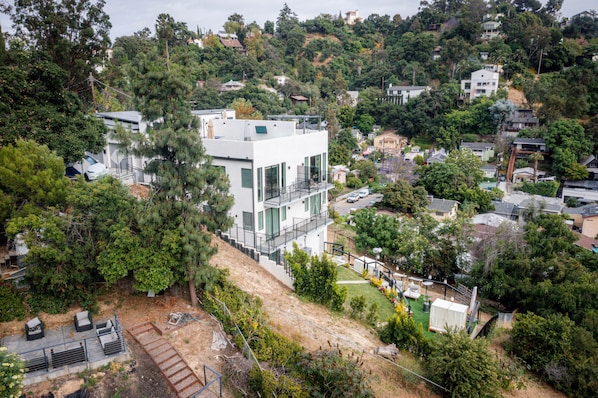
584, 219
591, 164
489, 171
278, 176
543, 205
438, 156
126, 166
206, 115
526, 174
231, 85
483, 150
530, 145
482, 83
436, 53
521, 119
231, 40
414, 152
339, 174
491, 29
584, 191
442, 209
400, 95
389, 143
351, 17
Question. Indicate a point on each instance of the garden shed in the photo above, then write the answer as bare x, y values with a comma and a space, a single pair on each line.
445, 314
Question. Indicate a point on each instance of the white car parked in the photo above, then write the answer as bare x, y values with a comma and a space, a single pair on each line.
90, 167
364, 192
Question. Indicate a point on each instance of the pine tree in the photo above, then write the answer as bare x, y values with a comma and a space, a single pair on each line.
190, 198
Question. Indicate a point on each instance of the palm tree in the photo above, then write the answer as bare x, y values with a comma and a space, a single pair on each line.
536, 156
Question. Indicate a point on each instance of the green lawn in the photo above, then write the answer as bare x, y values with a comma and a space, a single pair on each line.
419, 316
345, 274
373, 295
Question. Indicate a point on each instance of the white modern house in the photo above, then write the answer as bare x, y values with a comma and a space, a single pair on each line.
400, 95
483, 83
278, 176
125, 165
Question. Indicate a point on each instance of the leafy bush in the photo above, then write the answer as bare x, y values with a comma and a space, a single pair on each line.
402, 330
543, 188
464, 366
315, 278
357, 306
372, 316
329, 373
12, 373
266, 384
354, 182
11, 303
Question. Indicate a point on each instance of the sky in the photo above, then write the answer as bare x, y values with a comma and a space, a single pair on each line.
130, 16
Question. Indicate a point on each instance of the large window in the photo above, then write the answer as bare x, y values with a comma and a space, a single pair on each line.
246, 178
271, 182
260, 193
260, 220
247, 221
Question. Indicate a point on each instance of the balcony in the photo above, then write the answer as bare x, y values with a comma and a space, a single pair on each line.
266, 244
275, 197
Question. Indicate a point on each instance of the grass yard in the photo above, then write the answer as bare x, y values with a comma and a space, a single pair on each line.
373, 295
345, 274
419, 316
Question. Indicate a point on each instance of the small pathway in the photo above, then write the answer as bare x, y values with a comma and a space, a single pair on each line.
179, 375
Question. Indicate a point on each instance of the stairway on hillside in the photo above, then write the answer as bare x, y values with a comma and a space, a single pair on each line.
174, 368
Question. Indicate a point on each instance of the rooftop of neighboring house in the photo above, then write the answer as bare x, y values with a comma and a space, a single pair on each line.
521, 140
546, 207
585, 209
505, 209
406, 88
441, 205
585, 184
125, 116
477, 145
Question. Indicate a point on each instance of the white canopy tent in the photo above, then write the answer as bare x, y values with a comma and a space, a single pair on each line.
445, 314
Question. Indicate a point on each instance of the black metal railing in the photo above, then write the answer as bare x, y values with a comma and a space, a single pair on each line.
269, 243
295, 192
74, 352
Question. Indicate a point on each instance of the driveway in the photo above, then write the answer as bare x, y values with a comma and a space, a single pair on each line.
342, 207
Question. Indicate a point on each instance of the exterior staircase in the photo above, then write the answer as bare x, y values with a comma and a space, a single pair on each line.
174, 368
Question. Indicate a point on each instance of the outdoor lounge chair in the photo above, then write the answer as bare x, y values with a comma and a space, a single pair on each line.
109, 340
34, 329
83, 321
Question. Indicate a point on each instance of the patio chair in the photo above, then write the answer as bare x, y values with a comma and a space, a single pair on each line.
34, 329
83, 321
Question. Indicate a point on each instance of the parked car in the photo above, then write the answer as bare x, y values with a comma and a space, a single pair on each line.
364, 192
90, 167
352, 198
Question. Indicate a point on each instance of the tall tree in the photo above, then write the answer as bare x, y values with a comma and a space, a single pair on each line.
189, 198
74, 33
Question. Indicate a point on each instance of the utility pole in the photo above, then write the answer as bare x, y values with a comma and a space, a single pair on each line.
93, 93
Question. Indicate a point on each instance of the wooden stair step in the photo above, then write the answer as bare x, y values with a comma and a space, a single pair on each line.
183, 374
156, 351
184, 383
157, 343
175, 369
188, 392
148, 339
140, 329
165, 356
169, 363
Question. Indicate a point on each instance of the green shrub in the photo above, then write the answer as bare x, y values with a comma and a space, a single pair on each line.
372, 316
543, 188
12, 373
357, 306
402, 330
11, 302
328, 373
266, 384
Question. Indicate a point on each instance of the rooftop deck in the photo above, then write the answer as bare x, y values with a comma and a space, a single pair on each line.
65, 351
